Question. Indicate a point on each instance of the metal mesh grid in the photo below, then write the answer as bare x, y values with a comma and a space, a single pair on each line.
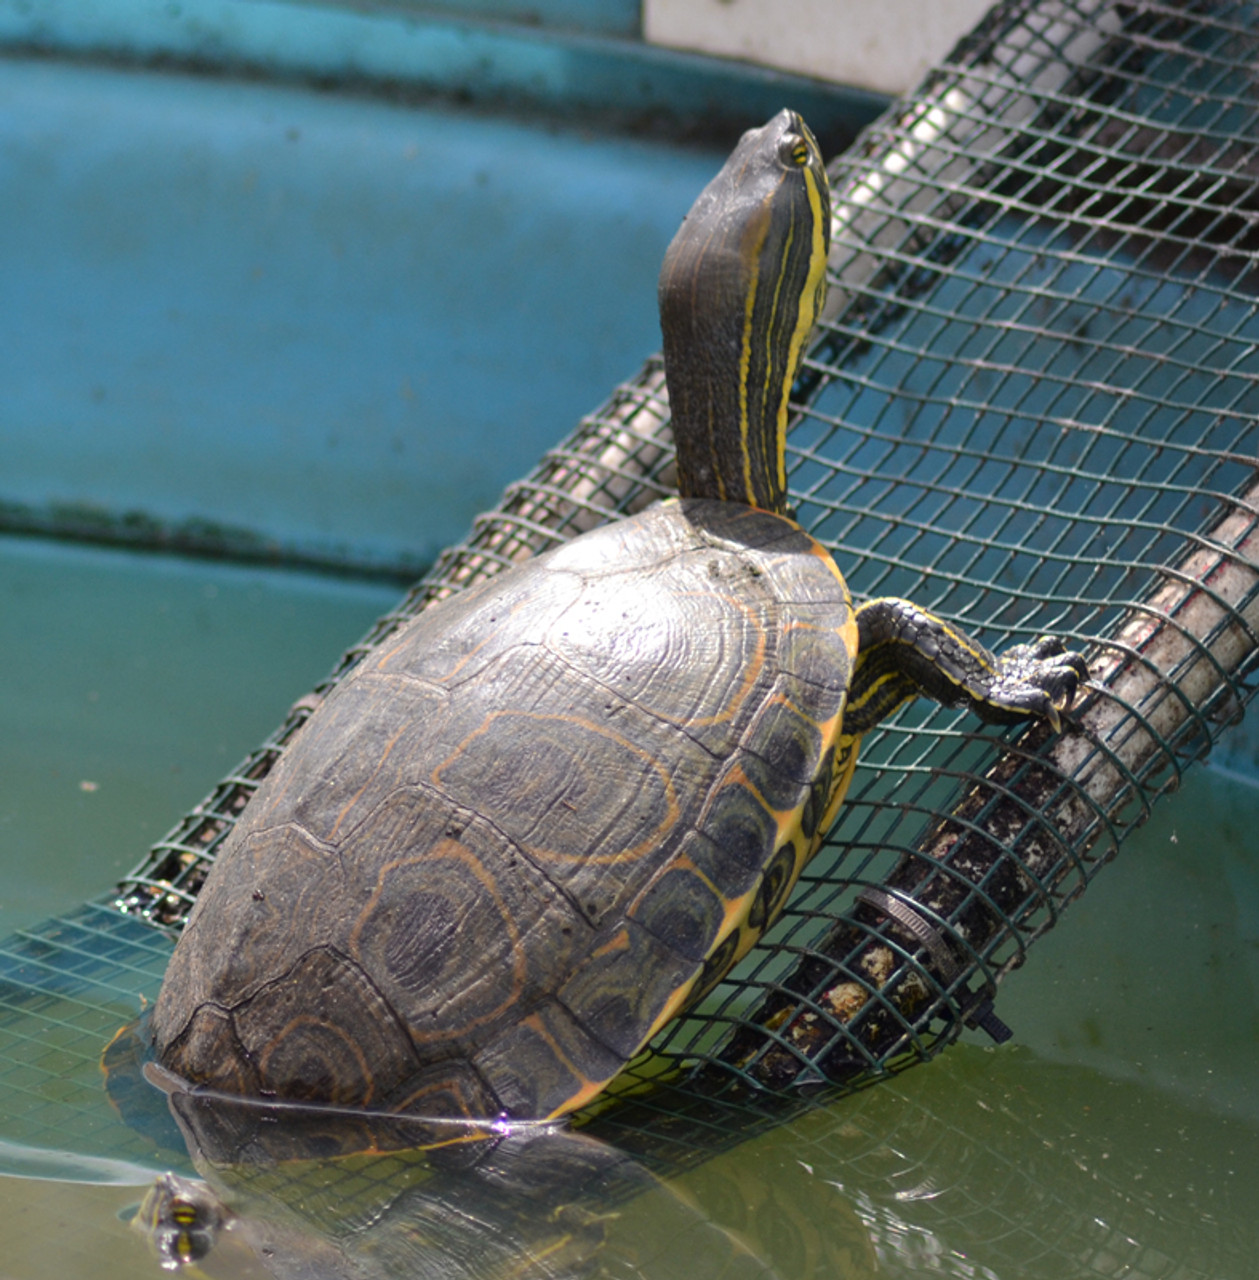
66, 987
963, 1165
980, 1168
1030, 408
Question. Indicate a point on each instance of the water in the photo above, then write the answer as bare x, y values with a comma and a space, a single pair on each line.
326, 321
990, 1163
1117, 1136
131, 685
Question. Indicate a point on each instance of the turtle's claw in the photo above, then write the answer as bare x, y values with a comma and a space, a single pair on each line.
1054, 716
1040, 679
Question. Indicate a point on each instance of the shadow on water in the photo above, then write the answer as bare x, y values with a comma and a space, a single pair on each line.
988, 1163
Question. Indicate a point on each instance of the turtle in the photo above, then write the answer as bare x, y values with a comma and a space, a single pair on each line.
550, 812
528, 1201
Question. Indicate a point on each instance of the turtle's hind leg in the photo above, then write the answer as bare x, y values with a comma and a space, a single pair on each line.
904, 651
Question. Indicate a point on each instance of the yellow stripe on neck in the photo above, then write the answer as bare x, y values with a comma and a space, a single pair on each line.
793, 348
752, 256
806, 314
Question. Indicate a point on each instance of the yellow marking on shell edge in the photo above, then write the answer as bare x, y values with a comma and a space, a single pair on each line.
680, 862
847, 632
846, 750
788, 832
738, 909
732, 919
817, 549
589, 1090
846, 758
783, 700
672, 1007
587, 1093
751, 253
791, 833
618, 942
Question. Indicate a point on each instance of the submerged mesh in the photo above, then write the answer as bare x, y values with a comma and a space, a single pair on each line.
1030, 407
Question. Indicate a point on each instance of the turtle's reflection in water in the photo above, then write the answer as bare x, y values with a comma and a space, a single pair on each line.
983, 1163
311, 1193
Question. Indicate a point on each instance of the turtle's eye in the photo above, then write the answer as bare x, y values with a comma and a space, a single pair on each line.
793, 150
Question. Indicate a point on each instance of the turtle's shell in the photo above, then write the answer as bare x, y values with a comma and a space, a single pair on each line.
528, 828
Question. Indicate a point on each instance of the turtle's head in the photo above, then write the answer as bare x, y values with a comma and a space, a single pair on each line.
740, 288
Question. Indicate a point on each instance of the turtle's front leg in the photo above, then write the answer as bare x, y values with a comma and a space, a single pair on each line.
903, 652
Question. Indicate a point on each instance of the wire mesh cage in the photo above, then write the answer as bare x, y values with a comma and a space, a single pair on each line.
1030, 407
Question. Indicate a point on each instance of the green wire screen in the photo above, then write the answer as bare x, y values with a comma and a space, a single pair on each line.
1030, 407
